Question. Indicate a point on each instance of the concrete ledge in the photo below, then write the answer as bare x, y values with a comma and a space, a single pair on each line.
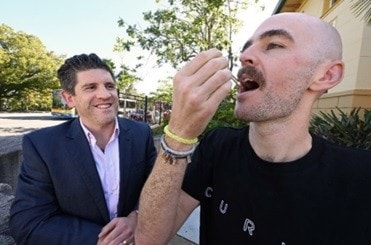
6, 199
10, 159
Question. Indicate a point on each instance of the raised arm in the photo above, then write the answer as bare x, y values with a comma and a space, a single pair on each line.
198, 89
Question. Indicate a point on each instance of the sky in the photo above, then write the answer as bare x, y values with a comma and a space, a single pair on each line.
72, 27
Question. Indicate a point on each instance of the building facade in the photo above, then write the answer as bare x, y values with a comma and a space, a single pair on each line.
355, 89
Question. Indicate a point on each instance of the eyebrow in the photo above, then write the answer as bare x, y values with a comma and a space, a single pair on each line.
88, 84
271, 33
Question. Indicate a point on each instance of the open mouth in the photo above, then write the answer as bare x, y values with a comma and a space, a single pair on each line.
249, 79
248, 85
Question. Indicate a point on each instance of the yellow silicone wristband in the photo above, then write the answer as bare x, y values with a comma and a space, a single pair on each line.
178, 138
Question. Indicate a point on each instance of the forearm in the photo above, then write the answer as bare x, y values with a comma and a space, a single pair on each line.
199, 87
159, 201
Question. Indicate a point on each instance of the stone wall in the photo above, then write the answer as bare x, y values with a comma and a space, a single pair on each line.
6, 199
10, 159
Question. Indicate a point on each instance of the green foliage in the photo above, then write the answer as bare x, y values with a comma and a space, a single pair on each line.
164, 93
344, 129
27, 71
224, 116
110, 64
159, 130
126, 79
178, 32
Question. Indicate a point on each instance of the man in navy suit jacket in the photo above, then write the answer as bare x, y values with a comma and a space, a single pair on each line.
80, 181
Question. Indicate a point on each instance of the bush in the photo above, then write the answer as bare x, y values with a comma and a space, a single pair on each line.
224, 117
343, 129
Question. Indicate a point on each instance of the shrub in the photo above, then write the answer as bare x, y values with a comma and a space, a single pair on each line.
344, 129
224, 116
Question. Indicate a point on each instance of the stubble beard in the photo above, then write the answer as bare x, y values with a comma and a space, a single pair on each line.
273, 105
106, 117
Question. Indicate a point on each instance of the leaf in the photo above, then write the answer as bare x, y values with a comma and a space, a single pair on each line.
344, 129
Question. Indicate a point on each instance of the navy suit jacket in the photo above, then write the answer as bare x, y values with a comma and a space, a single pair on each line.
59, 197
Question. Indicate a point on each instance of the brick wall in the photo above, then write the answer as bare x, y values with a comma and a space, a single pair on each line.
346, 101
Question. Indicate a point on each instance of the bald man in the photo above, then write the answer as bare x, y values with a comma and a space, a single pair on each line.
271, 182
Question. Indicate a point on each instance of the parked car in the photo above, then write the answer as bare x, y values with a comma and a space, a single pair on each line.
139, 115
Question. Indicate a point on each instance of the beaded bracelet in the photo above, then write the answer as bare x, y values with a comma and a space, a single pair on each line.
170, 155
178, 138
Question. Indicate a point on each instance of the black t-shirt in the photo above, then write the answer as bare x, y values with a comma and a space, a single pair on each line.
321, 198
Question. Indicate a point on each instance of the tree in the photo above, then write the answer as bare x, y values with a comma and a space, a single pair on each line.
162, 101
27, 71
362, 7
126, 80
110, 64
177, 33
163, 93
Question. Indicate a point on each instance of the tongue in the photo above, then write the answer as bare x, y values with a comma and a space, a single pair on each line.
250, 85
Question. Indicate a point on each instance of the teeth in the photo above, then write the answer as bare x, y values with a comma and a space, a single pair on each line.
103, 106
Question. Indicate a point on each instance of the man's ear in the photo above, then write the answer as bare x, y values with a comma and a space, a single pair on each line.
327, 76
68, 98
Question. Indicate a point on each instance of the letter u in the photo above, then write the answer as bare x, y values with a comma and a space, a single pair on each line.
223, 207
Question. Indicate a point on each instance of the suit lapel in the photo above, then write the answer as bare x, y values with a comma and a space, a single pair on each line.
85, 164
125, 149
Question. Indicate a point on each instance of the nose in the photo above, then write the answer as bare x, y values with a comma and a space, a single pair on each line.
103, 93
248, 57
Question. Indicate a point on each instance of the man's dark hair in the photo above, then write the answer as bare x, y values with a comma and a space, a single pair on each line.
83, 62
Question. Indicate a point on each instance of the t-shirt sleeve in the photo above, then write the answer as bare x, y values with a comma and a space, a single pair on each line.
200, 173
197, 172
192, 183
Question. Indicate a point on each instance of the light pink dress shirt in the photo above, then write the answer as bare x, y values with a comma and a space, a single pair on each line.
108, 166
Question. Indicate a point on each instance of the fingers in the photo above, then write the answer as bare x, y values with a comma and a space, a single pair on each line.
210, 70
108, 228
199, 61
201, 68
117, 238
117, 231
198, 89
128, 241
211, 88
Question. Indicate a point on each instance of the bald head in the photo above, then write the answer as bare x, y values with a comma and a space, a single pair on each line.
318, 37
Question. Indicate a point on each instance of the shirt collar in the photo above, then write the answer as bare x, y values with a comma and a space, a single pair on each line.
90, 136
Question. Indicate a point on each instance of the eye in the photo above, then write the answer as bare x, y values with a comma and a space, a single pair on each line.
273, 46
111, 86
89, 87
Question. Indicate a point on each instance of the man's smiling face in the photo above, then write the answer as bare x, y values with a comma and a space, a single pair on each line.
95, 98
